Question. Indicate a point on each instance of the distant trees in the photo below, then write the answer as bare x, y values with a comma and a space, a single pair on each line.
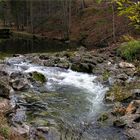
31, 15
38, 16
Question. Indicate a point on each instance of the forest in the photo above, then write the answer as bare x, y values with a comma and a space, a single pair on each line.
70, 70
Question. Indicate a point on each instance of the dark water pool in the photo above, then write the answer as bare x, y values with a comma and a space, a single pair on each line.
24, 46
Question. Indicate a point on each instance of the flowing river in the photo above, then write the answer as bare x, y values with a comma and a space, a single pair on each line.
69, 103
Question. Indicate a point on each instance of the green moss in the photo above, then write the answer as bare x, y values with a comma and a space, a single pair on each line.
130, 50
39, 77
106, 75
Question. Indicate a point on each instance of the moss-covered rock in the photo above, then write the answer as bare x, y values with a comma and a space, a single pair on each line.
39, 77
118, 93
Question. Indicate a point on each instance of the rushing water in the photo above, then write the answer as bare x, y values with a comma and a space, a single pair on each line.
70, 104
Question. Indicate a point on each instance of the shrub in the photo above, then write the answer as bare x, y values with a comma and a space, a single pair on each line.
130, 50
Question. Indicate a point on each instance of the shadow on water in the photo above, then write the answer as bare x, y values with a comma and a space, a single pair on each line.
24, 46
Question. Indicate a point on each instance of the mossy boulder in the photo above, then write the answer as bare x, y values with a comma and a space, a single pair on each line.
118, 93
39, 77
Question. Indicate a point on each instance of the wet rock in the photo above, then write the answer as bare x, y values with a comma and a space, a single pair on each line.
18, 81
20, 85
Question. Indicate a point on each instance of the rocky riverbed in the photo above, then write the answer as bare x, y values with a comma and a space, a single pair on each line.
106, 80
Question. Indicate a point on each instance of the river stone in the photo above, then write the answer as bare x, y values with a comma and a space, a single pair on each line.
126, 65
20, 84
4, 90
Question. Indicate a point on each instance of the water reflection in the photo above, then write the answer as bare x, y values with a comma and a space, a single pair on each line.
23, 46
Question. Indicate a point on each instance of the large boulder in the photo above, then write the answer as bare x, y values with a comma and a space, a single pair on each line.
19, 81
38, 77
